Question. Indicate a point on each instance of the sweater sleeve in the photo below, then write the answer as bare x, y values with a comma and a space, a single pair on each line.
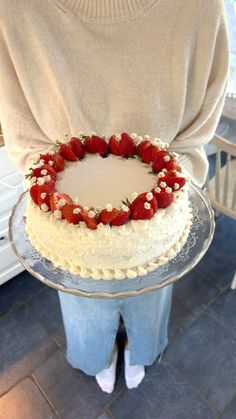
191, 141
22, 135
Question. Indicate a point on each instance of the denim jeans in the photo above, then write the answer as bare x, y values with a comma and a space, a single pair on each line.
91, 326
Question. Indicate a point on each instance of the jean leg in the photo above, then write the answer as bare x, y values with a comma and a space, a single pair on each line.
146, 320
90, 326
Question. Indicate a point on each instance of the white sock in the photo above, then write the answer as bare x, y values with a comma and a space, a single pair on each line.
106, 378
134, 374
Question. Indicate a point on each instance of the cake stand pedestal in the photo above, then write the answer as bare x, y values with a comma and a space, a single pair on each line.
199, 239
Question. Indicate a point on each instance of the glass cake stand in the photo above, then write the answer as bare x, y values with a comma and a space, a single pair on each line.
199, 239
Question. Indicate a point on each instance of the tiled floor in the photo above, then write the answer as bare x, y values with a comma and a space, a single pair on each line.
195, 380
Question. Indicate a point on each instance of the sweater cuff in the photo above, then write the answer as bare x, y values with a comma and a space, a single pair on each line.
195, 166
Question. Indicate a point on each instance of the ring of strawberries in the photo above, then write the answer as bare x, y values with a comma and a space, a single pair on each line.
44, 176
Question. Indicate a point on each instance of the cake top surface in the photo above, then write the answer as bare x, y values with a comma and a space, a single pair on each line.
97, 182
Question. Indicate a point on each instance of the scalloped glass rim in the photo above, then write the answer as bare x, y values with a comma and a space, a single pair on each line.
199, 239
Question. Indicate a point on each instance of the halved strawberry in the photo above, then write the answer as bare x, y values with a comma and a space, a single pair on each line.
149, 153
66, 151
142, 146
164, 199
69, 215
49, 169
36, 190
105, 216
56, 159
141, 211
160, 161
58, 162
91, 222
90, 145
77, 147
34, 193
56, 197
100, 145
121, 218
43, 198
49, 186
172, 165
173, 173
46, 157
143, 197
174, 182
114, 145
127, 146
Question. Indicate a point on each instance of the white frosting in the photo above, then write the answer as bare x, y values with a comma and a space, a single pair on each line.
127, 251
111, 252
97, 181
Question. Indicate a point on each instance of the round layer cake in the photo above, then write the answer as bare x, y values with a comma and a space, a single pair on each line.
108, 208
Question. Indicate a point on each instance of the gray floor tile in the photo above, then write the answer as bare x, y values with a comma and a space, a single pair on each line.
46, 307
162, 394
25, 401
173, 331
224, 309
219, 263
24, 345
191, 295
204, 354
18, 290
73, 393
104, 416
230, 411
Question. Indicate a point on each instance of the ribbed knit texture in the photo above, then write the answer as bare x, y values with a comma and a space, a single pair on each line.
150, 67
105, 10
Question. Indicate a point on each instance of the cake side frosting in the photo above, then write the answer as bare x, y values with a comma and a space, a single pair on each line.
118, 251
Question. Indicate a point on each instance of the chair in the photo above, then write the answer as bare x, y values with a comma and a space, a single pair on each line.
221, 188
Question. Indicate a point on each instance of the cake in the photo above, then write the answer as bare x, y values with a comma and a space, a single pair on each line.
108, 208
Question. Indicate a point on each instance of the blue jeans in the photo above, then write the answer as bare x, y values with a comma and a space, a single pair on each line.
91, 326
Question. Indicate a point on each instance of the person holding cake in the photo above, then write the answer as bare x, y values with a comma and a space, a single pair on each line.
149, 67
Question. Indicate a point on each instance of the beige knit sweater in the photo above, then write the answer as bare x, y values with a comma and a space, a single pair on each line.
156, 67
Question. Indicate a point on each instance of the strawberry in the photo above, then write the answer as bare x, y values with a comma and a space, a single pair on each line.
56, 159
100, 145
55, 198
68, 213
77, 147
43, 198
105, 216
49, 186
140, 211
142, 146
36, 190
127, 146
66, 151
34, 193
149, 153
164, 199
91, 222
50, 171
58, 162
143, 197
159, 161
114, 145
174, 172
90, 145
172, 165
46, 157
121, 218
173, 182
